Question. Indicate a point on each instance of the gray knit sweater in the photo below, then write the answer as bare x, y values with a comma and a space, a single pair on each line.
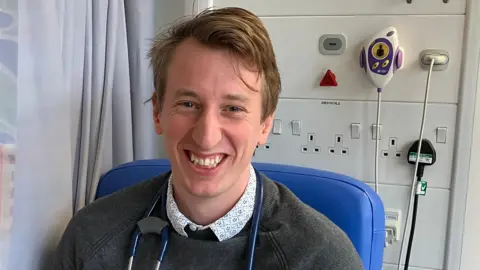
292, 236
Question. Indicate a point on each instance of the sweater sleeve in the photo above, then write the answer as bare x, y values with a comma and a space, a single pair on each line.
309, 240
340, 254
318, 249
64, 258
315, 242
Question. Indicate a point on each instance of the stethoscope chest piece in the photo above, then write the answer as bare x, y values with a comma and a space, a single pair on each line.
151, 224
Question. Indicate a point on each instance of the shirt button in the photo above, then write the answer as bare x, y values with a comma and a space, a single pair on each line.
192, 227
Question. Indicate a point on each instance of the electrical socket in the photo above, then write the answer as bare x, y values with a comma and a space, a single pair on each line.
392, 225
392, 150
338, 147
265, 147
311, 147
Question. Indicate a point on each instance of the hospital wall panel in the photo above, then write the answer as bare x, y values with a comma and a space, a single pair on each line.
345, 7
387, 266
323, 121
302, 66
428, 247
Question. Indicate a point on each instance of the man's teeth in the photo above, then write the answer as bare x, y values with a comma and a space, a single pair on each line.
210, 162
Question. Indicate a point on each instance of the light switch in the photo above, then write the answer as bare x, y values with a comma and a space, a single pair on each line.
277, 127
355, 131
441, 135
374, 132
296, 127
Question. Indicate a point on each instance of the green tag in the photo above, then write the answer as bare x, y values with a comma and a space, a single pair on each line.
422, 188
424, 158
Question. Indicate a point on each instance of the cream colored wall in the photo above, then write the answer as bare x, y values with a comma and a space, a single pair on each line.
471, 237
471, 234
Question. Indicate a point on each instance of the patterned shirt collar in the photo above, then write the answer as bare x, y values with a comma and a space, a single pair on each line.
227, 226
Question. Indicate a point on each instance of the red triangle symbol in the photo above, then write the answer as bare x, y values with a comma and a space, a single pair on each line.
329, 79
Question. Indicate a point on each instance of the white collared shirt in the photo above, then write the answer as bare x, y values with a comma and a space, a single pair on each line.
227, 226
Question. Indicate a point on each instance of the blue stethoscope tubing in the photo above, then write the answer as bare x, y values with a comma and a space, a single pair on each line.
252, 239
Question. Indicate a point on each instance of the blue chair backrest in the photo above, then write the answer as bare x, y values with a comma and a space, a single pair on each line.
349, 203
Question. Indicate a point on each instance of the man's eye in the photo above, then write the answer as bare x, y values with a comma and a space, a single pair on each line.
233, 109
188, 104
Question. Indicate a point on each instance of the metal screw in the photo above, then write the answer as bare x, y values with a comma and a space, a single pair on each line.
410, 1
445, 1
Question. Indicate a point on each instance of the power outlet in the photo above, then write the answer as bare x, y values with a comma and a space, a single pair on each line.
311, 147
392, 150
265, 147
338, 147
393, 219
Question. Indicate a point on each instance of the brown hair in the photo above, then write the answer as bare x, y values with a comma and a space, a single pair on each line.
234, 29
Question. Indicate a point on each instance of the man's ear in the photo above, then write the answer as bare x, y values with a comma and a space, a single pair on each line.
156, 114
266, 128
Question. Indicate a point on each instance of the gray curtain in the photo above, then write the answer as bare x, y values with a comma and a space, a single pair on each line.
140, 34
114, 124
82, 81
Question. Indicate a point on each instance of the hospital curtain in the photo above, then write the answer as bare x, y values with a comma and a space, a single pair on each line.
78, 98
8, 108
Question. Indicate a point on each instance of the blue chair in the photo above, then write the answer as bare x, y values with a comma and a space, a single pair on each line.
349, 203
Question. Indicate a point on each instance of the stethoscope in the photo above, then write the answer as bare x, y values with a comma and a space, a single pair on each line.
150, 224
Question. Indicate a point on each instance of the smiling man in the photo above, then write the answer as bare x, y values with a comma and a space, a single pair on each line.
216, 90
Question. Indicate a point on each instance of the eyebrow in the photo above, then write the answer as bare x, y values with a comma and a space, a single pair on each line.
190, 93
185, 93
233, 97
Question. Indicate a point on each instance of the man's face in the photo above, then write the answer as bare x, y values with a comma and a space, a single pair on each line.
210, 120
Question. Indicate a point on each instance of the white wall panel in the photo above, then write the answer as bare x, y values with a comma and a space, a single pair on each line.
431, 226
470, 249
302, 66
325, 121
387, 266
346, 7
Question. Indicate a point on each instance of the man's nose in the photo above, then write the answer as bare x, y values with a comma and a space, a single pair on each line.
207, 132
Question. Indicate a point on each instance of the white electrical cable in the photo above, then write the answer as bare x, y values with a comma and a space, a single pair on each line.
377, 138
414, 181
